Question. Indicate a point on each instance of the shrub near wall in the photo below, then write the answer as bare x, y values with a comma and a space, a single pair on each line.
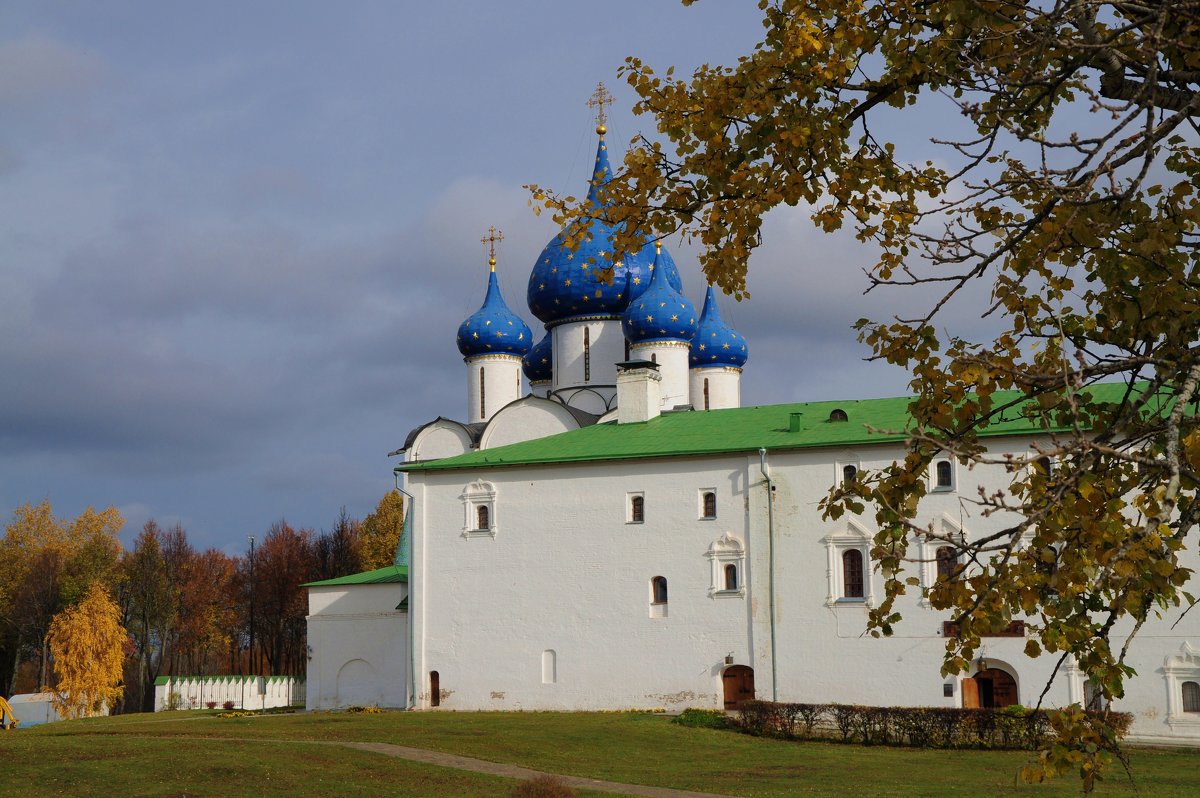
928, 727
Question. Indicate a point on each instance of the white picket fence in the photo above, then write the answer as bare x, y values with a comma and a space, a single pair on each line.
245, 692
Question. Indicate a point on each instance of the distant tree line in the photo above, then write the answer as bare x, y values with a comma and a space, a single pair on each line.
185, 611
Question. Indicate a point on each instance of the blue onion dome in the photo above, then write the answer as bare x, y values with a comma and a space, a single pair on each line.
715, 342
565, 284
494, 329
661, 313
538, 366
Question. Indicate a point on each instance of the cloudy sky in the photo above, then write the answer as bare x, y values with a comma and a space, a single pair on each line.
236, 239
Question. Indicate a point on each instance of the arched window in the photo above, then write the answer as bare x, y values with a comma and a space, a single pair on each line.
731, 577
947, 561
481, 514
838, 415
637, 509
653, 357
852, 573
658, 590
482, 387
706, 393
587, 355
710, 504
1191, 697
435, 689
849, 474
945, 474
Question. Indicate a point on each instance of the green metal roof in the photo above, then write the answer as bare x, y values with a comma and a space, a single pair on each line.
389, 574
746, 429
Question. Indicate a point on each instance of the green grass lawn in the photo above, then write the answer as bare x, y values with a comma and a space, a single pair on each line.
137, 755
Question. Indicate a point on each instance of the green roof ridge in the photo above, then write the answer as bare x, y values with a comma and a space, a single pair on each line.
797, 425
389, 574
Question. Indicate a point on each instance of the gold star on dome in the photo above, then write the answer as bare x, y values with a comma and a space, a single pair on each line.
570, 256
726, 346
487, 323
649, 318
585, 297
637, 280
701, 347
474, 335
499, 333
674, 317
567, 283
510, 322
541, 286
598, 294
662, 304
520, 336
554, 270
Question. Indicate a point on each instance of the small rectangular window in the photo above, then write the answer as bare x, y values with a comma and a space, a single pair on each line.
852, 574
636, 513
943, 475
708, 504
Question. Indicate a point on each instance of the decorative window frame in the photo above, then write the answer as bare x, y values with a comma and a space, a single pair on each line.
726, 550
934, 487
629, 497
700, 514
475, 495
846, 459
1177, 669
851, 535
927, 551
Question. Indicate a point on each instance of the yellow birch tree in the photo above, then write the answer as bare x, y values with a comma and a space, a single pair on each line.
381, 532
87, 643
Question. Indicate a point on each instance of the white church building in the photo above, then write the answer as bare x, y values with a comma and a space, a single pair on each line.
624, 534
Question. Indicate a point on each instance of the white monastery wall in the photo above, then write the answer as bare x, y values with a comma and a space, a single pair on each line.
568, 571
358, 644
565, 570
245, 692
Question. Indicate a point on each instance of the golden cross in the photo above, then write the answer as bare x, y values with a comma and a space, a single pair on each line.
490, 239
600, 97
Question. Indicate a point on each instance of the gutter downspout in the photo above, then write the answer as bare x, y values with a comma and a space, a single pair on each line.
762, 466
406, 533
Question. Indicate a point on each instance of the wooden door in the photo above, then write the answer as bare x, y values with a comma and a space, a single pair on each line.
738, 683
970, 693
1002, 686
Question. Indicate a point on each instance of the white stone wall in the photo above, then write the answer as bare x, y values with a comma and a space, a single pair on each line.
569, 574
606, 346
672, 360
246, 692
358, 644
498, 377
724, 388
527, 419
